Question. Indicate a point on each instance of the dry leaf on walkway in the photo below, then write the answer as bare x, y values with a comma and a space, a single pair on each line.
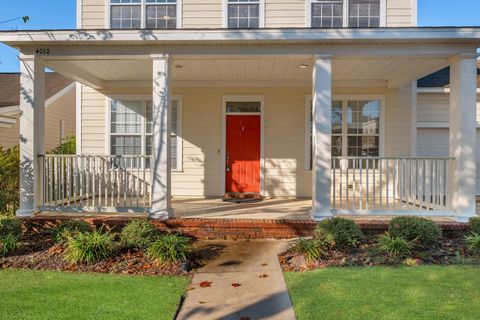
264, 264
263, 276
201, 302
236, 285
190, 289
205, 284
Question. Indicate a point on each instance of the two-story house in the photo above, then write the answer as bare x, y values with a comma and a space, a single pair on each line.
246, 99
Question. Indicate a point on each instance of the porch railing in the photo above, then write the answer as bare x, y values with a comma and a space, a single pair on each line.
96, 182
386, 184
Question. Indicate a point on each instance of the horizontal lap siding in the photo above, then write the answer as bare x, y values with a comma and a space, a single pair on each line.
9, 137
285, 13
399, 13
398, 122
202, 13
93, 14
93, 121
434, 107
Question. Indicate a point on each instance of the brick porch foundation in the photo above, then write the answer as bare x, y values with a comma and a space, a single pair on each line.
202, 228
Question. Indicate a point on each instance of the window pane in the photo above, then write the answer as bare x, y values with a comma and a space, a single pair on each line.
236, 106
161, 17
363, 146
364, 13
327, 14
363, 117
126, 117
243, 15
126, 145
336, 146
337, 118
125, 17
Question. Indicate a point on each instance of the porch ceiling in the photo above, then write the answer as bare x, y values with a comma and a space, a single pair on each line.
384, 72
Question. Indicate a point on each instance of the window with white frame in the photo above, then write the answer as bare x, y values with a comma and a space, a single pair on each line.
364, 13
355, 129
135, 14
327, 13
131, 129
243, 14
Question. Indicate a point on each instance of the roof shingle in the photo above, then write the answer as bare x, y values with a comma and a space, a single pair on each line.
441, 79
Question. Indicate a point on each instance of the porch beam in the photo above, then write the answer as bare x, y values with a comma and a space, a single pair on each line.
322, 136
161, 167
32, 134
462, 140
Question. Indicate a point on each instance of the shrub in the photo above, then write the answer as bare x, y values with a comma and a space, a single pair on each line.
474, 225
68, 146
139, 234
421, 230
324, 238
89, 247
10, 225
62, 232
170, 248
344, 232
9, 180
394, 247
473, 243
310, 248
8, 244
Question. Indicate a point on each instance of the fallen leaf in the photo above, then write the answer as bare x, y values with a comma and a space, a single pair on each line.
201, 302
264, 264
190, 289
205, 284
263, 276
236, 285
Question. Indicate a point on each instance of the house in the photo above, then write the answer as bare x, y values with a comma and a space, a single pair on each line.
59, 113
311, 99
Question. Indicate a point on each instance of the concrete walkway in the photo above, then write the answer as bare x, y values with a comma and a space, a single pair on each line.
244, 283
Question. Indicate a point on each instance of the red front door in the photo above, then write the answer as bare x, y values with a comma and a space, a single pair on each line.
243, 154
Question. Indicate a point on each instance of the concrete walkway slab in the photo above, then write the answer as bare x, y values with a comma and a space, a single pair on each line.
244, 283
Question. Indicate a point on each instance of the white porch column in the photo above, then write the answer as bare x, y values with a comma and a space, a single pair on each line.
32, 134
322, 136
462, 143
161, 180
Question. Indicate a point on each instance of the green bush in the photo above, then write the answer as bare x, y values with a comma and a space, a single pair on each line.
310, 248
344, 232
9, 243
10, 225
394, 247
9, 180
473, 243
474, 225
62, 232
89, 247
170, 248
68, 146
139, 234
423, 231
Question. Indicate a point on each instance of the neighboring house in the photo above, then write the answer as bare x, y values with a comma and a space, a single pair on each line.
214, 98
59, 114
432, 116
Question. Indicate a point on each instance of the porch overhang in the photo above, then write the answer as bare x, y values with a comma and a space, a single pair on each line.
384, 57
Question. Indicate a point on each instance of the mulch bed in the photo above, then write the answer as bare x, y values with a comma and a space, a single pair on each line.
40, 252
448, 251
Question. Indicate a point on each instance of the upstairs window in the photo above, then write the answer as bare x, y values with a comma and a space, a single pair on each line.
327, 14
161, 14
125, 14
136, 14
243, 14
364, 13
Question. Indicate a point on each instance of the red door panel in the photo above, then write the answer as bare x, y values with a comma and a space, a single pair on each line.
243, 154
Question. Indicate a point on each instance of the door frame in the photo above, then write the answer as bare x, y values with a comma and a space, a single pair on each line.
243, 98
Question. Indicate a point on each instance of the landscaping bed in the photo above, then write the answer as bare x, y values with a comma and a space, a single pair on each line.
81, 248
409, 241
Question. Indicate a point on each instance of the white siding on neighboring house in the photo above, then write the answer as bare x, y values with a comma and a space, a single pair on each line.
432, 133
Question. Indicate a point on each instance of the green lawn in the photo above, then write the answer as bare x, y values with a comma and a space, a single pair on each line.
425, 292
55, 295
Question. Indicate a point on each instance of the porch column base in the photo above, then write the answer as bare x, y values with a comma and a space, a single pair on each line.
161, 215
25, 213
320, 216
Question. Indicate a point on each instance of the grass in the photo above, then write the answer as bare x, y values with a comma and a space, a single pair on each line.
424, 292
55, 295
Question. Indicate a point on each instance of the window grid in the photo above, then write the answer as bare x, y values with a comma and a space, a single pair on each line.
243, 14
152, 14
327, 14
345, 13
364, 14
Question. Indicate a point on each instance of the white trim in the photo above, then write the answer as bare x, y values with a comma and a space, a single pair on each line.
79, 15
261, 13
243, 98
10, 111
413, 120
414, 4
437, 90
308, 13
78, 117
60, 94
344, 98
143, 99
433, 125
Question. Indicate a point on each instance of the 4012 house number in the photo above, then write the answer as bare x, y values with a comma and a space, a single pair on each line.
42, 51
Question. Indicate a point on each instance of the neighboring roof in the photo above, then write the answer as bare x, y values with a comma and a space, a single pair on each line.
10, 87
441, 79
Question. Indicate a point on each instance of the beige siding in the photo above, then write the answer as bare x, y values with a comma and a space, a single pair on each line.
285, 13
433, 107
61, 109
400, 13
278, 13
284, 136
93, 14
